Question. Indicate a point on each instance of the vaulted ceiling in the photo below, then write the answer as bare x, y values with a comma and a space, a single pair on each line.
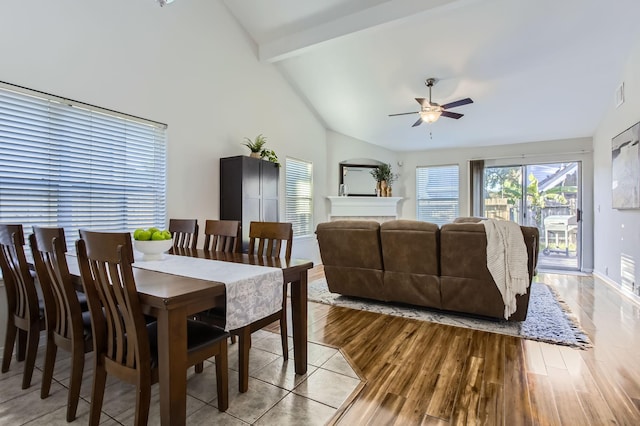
536, 70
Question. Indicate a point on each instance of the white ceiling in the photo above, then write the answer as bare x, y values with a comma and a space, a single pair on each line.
536, 70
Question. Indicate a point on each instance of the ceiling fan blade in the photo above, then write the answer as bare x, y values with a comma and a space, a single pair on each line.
417, 123
451, 114
404, 113
423, 101
457, 103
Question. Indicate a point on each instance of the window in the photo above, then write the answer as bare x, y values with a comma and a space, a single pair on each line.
437, 194
68, 164
299, 201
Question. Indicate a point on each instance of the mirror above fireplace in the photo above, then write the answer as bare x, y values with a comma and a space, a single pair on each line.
358, 179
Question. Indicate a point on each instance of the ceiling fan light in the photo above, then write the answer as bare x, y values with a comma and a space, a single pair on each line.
430, 115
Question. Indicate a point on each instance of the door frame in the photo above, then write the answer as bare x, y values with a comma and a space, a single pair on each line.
523, 203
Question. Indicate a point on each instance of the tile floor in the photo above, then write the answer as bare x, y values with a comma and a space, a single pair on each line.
276, 394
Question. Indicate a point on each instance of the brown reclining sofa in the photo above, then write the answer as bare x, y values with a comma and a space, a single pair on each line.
418, 263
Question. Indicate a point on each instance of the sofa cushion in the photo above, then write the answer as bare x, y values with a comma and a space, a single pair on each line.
410, 254
410, 246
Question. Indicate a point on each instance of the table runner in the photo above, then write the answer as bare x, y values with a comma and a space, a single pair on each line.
253, 292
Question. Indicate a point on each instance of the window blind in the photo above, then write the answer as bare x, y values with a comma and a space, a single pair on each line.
298, 196
437, 194
76, 166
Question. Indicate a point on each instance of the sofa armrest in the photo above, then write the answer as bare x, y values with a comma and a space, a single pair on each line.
352, 258
353, 243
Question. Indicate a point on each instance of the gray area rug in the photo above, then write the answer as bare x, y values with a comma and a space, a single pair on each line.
548, 320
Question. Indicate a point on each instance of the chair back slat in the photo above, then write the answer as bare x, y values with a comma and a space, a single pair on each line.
266, 238
22, 297
222, 235
105, 261
63, 310
184, 232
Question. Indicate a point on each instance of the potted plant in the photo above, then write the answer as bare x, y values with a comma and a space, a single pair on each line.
259, 151
390, 179
256, 145
269, 154
382, 174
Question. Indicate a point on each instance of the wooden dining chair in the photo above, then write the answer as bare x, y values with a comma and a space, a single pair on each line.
265, 239
222, 235
124, 345
184, 232
68, 325
25, 313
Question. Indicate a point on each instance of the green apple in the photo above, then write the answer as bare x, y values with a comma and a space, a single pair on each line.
152, 230
144, 236
158, 235
166, 234
136, 233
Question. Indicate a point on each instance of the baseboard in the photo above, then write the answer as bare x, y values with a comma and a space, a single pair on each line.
615, 286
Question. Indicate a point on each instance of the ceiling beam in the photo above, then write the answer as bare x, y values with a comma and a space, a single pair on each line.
389, 11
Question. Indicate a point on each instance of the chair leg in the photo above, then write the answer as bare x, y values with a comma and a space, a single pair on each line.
77, 368
9, 342
33, 337
143, 400
49, 363
233, 338
283, 324
283, 335
97, 392
199, 367
222, 377
244, 344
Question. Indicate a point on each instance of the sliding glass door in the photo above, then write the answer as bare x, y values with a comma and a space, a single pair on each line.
546, 196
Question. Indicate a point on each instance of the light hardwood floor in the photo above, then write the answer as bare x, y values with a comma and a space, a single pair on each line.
422, 373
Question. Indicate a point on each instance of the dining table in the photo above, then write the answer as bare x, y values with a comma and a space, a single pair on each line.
172, 297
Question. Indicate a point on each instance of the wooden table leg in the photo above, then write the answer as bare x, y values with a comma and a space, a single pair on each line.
172, 359
244, 344
299, 316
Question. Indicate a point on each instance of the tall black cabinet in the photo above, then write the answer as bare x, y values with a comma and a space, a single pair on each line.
248, 192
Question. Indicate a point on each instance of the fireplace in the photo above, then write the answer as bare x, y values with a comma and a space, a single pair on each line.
380, 209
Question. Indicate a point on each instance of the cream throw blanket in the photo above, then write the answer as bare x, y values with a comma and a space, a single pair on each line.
507, 260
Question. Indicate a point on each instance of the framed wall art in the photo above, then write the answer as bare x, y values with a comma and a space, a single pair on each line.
625, 169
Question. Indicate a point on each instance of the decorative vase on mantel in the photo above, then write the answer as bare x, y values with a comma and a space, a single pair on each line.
255, 155
383, 188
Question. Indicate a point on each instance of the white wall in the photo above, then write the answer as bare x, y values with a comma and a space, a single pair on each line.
188, 65
617, 232
579, 149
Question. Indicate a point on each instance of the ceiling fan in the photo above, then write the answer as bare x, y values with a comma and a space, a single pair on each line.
431, 111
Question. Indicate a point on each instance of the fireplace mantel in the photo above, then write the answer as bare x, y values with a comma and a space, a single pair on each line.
374, 208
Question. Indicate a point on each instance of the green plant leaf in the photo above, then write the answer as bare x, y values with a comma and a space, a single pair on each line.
255, 145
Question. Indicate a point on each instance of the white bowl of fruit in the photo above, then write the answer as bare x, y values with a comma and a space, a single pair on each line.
152, 242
